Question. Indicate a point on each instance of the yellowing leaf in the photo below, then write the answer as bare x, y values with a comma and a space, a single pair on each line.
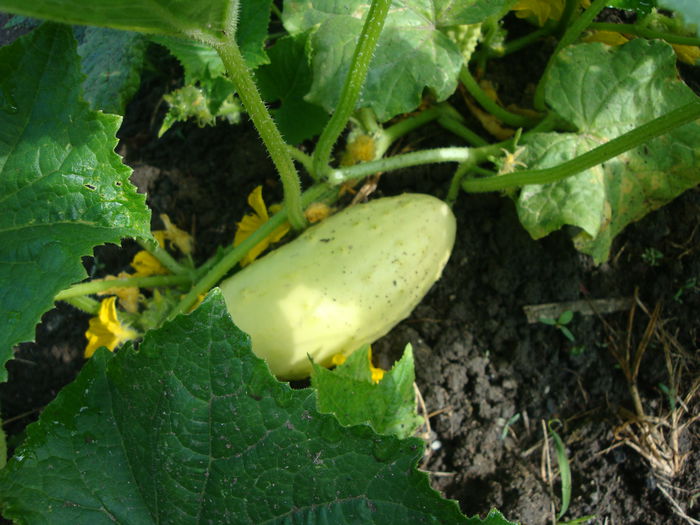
687, 54
611, 38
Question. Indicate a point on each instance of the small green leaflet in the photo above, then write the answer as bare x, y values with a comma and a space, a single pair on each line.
389, 406
412, 54
63, 189
605, 92
192, 428
287, 79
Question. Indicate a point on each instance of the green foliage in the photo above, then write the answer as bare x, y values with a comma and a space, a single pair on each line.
111, 61
604, 92
640, 6
170, 17
192, 428
348, 392
64, 189
428, 57
287, 79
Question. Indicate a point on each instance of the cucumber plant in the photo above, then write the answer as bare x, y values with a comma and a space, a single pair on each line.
611, 134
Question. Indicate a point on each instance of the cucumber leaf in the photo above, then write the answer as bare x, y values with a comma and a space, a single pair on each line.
605, 92
389, 406
412, 54
111, 61
192, 428
287, 79
171, 17
62, 187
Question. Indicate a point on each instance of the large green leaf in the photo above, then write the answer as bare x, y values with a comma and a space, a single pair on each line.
412, 53
111, 61
192, 428
173, 17
63, 190
606, 92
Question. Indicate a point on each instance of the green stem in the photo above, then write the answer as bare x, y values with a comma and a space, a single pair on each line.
462, 131
235, 254
570, 9
85, 304
456, 182
368, 120
635, 29
524, 41
92, 287
361, 58
615, 147
239, 74
502, 114
385, 138
570, 36
303, 159
163, 256
415, 158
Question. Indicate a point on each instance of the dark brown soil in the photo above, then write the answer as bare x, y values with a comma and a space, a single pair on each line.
479, 363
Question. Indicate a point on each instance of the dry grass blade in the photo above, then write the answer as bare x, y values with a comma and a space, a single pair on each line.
657, 437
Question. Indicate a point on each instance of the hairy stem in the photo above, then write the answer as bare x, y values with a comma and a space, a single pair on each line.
163, 256
415, 158
502, 114
615, 147
92, 287
242, 79
361, 58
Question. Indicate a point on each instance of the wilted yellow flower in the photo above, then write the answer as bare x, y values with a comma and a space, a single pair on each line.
361, 149
106, 329
611, 38
687, 54
180, 238
251, 222
377, 373
128, 295
145, 264
543, 10
317, 211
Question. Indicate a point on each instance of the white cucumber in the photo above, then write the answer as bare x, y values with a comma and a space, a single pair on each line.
343, 283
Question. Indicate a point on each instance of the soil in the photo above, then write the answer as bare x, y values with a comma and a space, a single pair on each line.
490, 379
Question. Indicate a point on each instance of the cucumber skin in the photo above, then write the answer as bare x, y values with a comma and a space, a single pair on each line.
343, 283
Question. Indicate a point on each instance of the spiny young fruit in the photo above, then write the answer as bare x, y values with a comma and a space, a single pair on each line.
343, 283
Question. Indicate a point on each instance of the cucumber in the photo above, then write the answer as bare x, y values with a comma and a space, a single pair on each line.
343, 283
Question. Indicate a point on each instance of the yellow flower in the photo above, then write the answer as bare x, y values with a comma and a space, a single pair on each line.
106, 330
377, 373
180, 238
128, 295
145, 264
251, 222
543, 10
